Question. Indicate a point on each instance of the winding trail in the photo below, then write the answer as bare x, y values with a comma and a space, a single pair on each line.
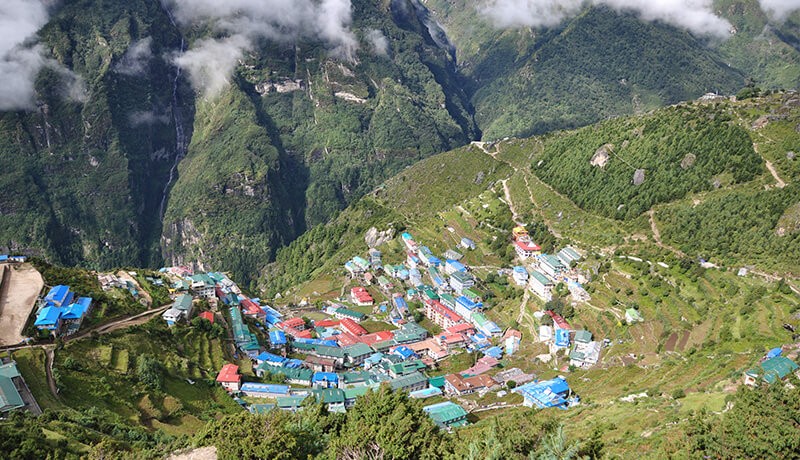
778, 181
49, 357
657, 235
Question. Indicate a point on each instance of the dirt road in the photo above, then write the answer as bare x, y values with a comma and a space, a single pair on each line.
778, 181
21, 286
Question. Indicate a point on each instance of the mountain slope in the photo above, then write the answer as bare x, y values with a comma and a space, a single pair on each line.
602, 64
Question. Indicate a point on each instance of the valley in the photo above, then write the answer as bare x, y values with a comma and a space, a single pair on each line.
400, 229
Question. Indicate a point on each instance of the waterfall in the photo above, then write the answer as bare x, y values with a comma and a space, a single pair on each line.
177, 118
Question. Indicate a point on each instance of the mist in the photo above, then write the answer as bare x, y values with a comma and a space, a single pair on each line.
136, 59
211, 62
696, 16
779, 10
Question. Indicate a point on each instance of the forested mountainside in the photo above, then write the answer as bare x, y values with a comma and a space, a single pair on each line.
296, 135
603, 63
695, 172
186, 133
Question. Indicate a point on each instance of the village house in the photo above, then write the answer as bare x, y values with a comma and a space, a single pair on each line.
460, 281
385, 284
429, 348
411, 382
568, 256
551, 266
457, 385
515, 375
452, 255
632, 316
361, 297
541, 285
408, 240
264, 390
548, 393
181, 310
342, 313
447, 415
325, 380
229, 377
245, 340
441, 315
10, 381
520, 275
203, 286
585, 352
451, 266
526, 249
484, 325
467, 243
511, 341
466, 307
410, 333
770, 371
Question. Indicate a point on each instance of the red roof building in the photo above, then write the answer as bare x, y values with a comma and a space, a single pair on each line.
441, 315
558, 320
451, 341
229, 377
207, 315
251, 308
526, 249
348, 325
361, 296
375, 337
294, 323
464, 328
326, 323
346, 339
296, 333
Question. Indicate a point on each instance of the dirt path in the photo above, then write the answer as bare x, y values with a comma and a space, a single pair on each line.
123, 275
134, 320
21, 286
509, 202
779, 182
482, 146
49, 357
657, 235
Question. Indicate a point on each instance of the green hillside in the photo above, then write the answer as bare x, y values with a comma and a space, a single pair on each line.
602, 64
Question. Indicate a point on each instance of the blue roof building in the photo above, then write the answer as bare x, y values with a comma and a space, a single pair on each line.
277, 338
325, 380
266, 357
48, 318
404, 352
59, 296
548, 393
264, 390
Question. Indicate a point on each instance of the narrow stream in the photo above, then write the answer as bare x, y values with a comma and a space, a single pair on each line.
177, 118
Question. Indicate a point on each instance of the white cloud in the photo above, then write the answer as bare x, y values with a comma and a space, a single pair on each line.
696, 16
210, 63
378, 42
245, 21
136, 58
21, 58
779, 10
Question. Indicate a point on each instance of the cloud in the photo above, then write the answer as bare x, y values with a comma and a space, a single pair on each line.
696, 16
779, 10
145, 117
21, 58
378, 42
136, 58
211, 61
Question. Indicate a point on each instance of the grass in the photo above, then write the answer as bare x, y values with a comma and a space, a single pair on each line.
375, 326
31, 364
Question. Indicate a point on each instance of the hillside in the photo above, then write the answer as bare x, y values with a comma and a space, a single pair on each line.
293, 134
532, 80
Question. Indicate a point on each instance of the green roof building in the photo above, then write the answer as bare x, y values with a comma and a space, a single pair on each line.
410, 332
290, 403
410, 382
447, 414
10, 398
771, 370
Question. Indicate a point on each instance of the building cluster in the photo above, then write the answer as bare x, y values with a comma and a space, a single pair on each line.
12, 259
60, 312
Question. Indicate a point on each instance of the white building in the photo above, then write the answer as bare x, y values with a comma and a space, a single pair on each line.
541, 286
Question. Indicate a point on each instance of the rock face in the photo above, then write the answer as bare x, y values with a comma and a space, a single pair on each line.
375, 238
602, 155
638, 177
